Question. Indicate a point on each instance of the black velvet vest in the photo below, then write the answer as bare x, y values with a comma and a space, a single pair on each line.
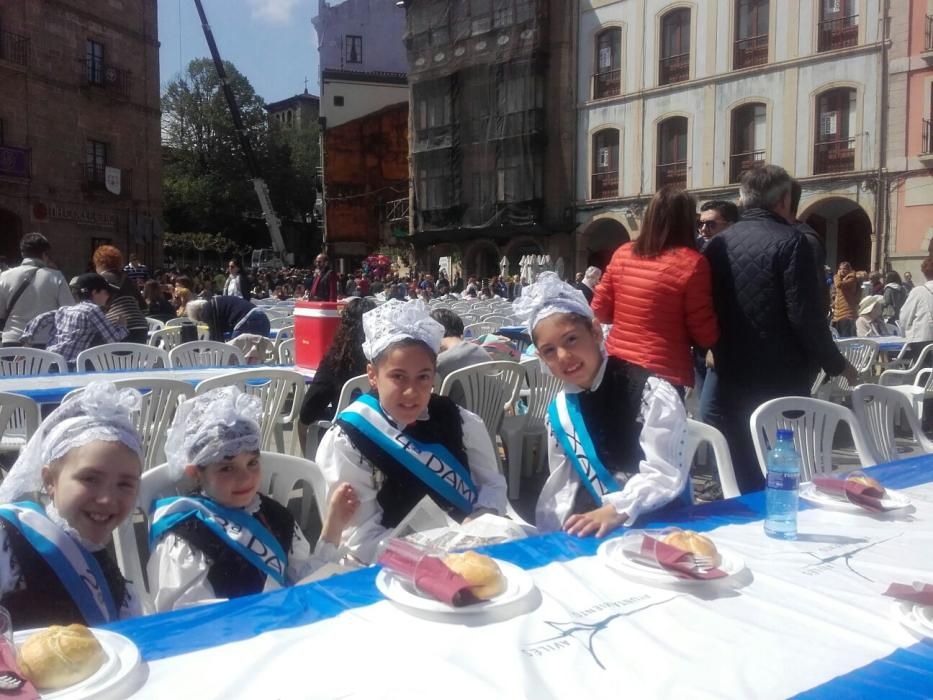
44, 600
401, 490
612, 417
230, 575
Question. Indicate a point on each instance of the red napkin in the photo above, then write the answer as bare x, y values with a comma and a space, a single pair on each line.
866, 497
675, 560
429, 574
12, 683
904, 591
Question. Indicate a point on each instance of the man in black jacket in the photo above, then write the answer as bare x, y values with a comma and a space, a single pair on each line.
772, 329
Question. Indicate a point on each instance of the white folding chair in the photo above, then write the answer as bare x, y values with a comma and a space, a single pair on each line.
19, 419
352, 388
121, 356
878, 409
286, 351
699, 433
814, 423
205, 353
281, 392
280, 475
862, 353
487, 390
29, 362
516, 429
154, 324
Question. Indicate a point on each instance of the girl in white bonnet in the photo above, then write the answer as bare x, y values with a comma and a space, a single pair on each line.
73, 484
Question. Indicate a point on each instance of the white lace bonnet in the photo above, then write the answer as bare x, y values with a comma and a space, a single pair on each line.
222, 423
399, 320
99, 412
549, 295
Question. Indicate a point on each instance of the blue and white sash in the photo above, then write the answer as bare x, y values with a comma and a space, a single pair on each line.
75, 567
433, 464
234, 527
570, 431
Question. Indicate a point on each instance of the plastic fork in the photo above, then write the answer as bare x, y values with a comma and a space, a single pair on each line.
703, 563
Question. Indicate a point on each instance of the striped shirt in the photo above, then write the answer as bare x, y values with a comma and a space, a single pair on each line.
73, 329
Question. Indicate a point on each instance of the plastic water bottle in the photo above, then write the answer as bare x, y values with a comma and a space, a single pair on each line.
782, 488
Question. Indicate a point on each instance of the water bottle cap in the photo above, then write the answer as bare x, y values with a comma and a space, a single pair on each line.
785, 434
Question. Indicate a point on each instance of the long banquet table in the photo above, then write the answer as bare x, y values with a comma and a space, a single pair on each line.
807, 619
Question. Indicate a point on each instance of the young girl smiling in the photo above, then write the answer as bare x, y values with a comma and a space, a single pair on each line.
227, 539
614, 428
400, 442
84, 463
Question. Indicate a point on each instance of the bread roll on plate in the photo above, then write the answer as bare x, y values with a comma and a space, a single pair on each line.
695, 543
869, 482
482, 573
58, 657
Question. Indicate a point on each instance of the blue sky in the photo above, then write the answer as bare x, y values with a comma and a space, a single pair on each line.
272, 42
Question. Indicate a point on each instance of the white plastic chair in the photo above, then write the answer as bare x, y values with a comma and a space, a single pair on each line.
154, 324
29, 362
280, 475
121, 356
179, 321
281, 322
285, 333
878, 409
541, 390
497, 319
699, 433
862, 353
476, 330
488, 389
352, 388
275, 387
286, 351
19, 419
205, 353
915, 382
276, 313
814, 423
170, 337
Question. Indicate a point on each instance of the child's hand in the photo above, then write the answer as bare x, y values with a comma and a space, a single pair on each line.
341, 508
602, 521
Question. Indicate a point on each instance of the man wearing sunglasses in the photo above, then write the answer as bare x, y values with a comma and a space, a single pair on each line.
715, 217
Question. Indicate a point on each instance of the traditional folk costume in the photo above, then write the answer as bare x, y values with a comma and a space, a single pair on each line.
49, 573
446, 454
203, 550
619, 442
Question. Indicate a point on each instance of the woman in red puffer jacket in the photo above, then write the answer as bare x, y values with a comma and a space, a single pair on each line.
657, 293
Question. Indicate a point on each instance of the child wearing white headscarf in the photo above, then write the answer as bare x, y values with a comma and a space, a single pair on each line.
226, 539
72, 485
401, 443
615, 428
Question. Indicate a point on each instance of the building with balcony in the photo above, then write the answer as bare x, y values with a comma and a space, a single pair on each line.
492, 95
693, 94
79, 127
909, 143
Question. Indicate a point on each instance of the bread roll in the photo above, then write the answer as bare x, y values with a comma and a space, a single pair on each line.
58, 657
869, 482
482, 573
695, 543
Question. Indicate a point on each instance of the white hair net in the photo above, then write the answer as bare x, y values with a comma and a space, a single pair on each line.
222, 423
549, 295
99, 412
399, 320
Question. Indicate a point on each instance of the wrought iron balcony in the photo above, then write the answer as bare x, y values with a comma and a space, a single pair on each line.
607, 84
749, 52
397, 210
14, 162
605, 184
674, 69
740, 162
95, 180
672, 174
834, 156
14, 48
928, 34
115, 81
838, 33
926, 136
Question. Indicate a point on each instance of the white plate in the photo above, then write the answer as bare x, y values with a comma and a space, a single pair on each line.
893, 500
122, 659
916, 618
518, 584
614, 556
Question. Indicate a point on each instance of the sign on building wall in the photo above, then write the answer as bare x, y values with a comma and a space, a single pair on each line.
112, 179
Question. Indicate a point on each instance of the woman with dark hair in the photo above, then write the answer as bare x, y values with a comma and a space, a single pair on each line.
895, 294
157, 306
344, 360
657, 292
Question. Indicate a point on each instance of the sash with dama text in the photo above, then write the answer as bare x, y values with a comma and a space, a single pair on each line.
75, 567
433, 464
236, 528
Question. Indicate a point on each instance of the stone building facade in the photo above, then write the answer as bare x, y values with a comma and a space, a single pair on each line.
79, 127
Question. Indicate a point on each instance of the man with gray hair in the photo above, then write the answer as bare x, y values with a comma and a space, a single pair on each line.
772, 329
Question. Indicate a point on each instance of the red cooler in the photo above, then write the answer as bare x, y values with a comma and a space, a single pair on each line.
315, 325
